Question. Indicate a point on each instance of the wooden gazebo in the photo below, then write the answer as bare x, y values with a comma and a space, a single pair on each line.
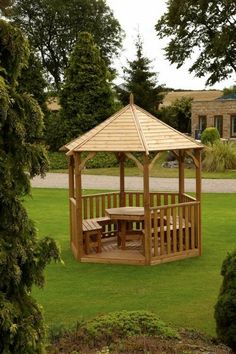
134, 227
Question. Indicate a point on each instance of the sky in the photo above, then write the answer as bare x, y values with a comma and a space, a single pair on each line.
141, 16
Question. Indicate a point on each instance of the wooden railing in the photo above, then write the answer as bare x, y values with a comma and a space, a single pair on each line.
94, 205
175, 229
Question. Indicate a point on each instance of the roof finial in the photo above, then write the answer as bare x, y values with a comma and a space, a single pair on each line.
131, 99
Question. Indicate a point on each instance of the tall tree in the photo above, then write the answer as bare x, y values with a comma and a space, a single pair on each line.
22, 257
178, 114
31, 80
205, 28
141, 81
53, 27
87, 98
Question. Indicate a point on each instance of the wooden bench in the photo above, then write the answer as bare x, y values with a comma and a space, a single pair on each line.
109, 227
92, 233
165, 228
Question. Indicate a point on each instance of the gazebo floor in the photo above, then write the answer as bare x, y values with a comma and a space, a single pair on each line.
133, 254
112, 254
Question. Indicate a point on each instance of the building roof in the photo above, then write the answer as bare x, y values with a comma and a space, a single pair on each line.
201, 95
132, 129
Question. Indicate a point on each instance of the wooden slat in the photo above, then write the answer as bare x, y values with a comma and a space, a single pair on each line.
97, 206
162, 231
192, 227
91, 213
174, 230
155, 224
103, 205
168, 234
109, 200
181, 229
186, 228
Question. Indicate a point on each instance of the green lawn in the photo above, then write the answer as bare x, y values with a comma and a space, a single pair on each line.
183, 293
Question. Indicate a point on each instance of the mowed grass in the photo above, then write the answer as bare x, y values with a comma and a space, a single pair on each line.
182, 293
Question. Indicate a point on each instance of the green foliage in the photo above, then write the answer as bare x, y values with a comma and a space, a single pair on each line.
225, 309
14, 52
219, 157
229, 90
210, 135
54, 36
207, 26
86, 98
55, 131
32, 81
58, 161
126, 324
141, 81
178, 114
22, 257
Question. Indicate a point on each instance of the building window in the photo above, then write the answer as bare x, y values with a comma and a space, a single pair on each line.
218, 123
233, 125
202, 123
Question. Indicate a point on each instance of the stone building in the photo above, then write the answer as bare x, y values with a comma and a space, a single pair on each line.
219, 113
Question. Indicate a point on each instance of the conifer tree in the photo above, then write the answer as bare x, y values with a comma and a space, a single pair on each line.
87, 98
22, 257
31, 80
142, 82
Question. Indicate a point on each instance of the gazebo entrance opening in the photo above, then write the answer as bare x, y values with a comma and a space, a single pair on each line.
133, 227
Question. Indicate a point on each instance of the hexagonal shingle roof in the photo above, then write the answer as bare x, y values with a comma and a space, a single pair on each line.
132, 129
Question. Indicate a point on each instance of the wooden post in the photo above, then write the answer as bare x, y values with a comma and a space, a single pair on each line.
122, 179
181, 175
198, 197
71, 190
78, 197
147, 213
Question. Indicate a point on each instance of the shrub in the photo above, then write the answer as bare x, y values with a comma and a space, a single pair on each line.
58, 161
126, 324
225, 309
210, 135
219, 157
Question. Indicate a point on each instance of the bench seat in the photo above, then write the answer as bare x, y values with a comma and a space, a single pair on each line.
92, 232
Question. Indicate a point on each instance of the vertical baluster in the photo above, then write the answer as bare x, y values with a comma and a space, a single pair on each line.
162, 248
97, 199
103, 205
174, 230
155, 226
186, 227
85, 208
192, 226
181, 229
168, 233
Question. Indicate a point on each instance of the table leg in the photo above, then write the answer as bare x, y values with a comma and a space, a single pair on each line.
123, 233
